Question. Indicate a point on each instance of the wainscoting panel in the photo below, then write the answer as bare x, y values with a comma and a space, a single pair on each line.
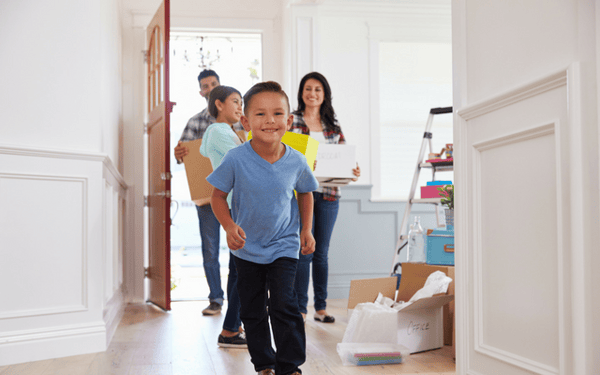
364, 237
61, 215
40, 214
514, 274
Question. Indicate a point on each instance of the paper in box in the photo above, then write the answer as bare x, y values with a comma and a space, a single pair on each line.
419, 326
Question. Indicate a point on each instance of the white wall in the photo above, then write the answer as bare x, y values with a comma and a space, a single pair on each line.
520, 65
61, 213
340, 39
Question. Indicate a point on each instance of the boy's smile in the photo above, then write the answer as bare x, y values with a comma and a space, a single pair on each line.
267, 117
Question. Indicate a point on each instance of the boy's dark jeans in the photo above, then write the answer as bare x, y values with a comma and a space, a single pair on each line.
286, 320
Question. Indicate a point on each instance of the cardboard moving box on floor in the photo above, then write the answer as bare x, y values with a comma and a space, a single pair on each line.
425, 324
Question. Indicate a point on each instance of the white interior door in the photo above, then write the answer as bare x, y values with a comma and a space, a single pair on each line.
513, 247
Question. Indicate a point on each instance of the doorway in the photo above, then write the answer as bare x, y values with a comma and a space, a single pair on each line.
237, 59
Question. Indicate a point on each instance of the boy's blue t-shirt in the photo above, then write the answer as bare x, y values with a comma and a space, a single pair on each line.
263, 203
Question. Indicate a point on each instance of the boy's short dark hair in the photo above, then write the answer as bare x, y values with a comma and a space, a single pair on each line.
207, 73
269, 86
220, 93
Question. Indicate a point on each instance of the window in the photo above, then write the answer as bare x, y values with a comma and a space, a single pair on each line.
413, 78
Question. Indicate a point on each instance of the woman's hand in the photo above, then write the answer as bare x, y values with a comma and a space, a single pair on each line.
356, 172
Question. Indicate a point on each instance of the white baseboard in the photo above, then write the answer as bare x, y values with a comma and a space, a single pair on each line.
47, 343
113, 312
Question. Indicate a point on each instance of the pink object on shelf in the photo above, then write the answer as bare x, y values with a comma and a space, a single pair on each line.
430, 192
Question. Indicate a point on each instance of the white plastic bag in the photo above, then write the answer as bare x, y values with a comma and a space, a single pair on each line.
372, 323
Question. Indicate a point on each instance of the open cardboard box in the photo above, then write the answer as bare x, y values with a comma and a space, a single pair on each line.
427, 323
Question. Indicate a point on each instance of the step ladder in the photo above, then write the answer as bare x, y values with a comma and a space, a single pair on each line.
403, 238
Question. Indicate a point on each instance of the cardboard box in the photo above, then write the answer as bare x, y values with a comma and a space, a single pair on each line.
197, 168
334, 164
421, 326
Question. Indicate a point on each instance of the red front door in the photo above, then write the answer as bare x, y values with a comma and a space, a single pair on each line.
159, 180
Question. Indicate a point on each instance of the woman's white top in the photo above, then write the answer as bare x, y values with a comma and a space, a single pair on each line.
318, 136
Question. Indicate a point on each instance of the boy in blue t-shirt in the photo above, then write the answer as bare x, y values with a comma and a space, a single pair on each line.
266, 228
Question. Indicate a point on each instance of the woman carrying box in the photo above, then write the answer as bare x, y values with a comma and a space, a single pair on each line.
315, 116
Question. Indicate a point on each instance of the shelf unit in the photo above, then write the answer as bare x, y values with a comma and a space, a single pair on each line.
421, 164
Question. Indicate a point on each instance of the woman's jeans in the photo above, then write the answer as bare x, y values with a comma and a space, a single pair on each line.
287, 323
325, 214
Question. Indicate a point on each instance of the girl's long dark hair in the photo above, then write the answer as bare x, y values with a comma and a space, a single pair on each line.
326, 111
220, 93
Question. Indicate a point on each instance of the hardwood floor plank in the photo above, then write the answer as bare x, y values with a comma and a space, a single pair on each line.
150, 341
29, 368
75, 365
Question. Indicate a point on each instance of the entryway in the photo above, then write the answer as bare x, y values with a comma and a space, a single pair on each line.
237, 59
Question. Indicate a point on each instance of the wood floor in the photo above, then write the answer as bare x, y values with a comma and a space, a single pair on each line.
181, 342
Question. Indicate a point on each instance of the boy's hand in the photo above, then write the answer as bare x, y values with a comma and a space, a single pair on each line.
236, 237
307, 242
180, 151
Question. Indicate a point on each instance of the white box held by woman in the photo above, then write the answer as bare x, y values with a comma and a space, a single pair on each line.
334, 164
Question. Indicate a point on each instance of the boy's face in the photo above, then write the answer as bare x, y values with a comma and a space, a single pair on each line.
267, 117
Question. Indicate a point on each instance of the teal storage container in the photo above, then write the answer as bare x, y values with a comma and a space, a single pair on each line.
440, 247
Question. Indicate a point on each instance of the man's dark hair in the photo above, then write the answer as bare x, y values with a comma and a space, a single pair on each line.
326, 111
269, 86
220, 93
207, 73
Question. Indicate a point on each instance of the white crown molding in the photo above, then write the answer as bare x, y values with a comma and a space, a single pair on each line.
386, 9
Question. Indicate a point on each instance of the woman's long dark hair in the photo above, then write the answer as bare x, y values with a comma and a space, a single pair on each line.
326, 110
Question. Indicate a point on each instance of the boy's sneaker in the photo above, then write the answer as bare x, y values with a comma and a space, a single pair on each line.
212, 309
237, 341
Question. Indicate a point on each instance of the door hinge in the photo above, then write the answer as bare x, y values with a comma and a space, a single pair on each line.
146, 128
166, 176
146, 271
164, 194
145, 201
146, 55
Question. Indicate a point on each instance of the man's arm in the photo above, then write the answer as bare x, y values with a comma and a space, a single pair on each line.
194, 129
305, 205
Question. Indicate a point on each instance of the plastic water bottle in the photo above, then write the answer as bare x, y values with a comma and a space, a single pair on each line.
416, 243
